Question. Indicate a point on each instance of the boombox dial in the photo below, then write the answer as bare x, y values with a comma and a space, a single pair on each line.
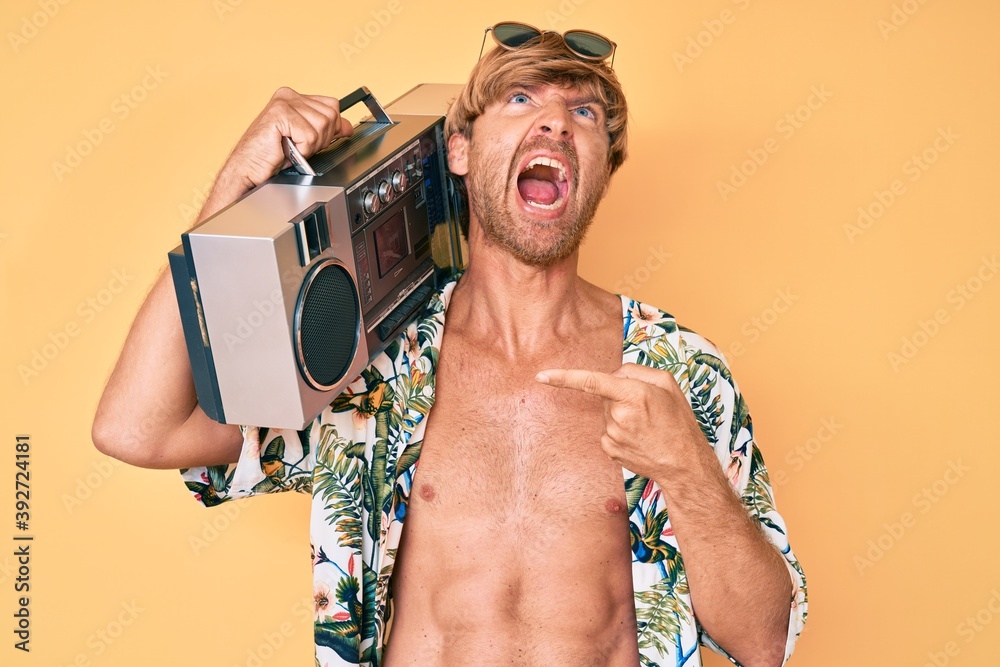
371, 203
384, 192
398, 181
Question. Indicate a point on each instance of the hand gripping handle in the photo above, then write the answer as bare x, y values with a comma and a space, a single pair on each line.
362, 94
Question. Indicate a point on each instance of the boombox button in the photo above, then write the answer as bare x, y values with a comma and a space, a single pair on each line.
386, 327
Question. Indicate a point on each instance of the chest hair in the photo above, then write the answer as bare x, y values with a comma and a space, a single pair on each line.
502, 446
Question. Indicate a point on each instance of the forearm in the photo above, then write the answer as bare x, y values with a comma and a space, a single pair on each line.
230, 185
740, 587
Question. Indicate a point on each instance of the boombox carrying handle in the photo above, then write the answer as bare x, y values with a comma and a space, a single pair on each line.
362, 94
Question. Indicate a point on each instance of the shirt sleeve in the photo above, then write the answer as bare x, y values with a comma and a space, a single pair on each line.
271, 460
725, 420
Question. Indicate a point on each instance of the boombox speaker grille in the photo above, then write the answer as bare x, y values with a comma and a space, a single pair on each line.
328, 323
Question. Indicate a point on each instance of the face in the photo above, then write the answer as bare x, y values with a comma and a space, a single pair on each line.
536, 169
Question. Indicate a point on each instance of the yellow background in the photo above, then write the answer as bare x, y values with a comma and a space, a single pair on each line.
128, 570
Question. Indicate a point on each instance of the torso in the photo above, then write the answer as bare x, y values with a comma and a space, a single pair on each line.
515, 548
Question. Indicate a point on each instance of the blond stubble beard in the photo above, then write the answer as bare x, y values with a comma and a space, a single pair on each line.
489, 181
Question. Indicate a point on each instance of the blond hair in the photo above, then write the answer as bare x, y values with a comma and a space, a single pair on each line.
543, 62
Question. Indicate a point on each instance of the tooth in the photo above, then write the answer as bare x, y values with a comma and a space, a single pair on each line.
548, 162
548, 207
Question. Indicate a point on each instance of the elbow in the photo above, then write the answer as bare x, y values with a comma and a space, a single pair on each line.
103, 435
117, 441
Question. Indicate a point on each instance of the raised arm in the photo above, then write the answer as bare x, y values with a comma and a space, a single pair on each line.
149, 415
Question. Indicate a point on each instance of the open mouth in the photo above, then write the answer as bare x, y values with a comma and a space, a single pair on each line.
542, 183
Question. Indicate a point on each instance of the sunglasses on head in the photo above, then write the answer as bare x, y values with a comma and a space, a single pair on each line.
582, 43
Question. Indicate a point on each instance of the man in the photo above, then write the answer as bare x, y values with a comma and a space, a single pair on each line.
558, 483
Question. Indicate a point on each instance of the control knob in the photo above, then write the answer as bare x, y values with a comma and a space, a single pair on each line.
384, 191
371, 202
399, 181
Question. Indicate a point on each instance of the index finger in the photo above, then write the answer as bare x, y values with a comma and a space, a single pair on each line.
591, 382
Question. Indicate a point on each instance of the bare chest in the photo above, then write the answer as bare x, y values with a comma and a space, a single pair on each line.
515, 515
501, 445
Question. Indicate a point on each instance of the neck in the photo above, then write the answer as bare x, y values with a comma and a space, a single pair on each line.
517, 308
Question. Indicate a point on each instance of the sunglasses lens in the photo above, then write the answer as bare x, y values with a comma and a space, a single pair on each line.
588, 44
514, 35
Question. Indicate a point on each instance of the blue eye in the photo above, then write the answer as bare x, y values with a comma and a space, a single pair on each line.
585, 112
520, 98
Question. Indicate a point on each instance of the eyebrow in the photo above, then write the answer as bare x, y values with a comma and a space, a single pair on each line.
572, 101
590, 99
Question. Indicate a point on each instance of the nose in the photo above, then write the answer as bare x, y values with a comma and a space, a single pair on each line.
553, 120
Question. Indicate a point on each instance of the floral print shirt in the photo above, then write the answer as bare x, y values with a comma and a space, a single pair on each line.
358, 457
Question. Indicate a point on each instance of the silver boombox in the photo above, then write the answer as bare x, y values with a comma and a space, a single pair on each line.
289, 293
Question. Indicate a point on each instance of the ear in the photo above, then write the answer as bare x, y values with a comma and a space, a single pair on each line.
458, 154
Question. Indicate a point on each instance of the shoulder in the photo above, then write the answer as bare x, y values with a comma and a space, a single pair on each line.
646, 326
654, 338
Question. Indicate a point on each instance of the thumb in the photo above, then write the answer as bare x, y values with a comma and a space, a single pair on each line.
345, 129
